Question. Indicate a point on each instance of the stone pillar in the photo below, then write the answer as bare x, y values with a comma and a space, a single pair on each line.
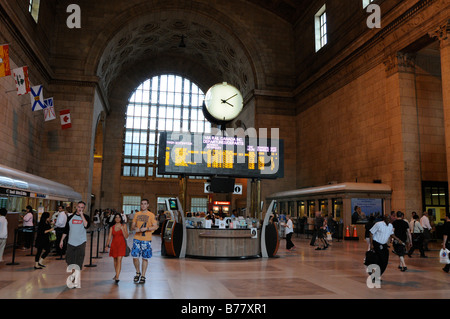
442, 33
405, 142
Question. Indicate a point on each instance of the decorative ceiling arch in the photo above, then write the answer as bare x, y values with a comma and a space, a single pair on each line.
154, 36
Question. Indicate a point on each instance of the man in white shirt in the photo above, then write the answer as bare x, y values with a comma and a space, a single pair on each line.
60, 224
425, 222
289, 231
380, 236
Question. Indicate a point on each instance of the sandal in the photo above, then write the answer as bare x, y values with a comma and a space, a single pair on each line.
142, 280
136, 278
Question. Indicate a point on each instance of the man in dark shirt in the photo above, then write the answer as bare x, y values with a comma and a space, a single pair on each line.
446, 241
401, 231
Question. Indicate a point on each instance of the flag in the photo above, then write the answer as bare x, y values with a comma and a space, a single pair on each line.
37, 98
5, 68
65, 119
49, 110
21, 79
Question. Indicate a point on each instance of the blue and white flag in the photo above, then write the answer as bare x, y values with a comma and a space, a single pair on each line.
49, 110
37, 98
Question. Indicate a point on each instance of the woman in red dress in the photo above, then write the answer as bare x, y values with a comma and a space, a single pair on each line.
118, 233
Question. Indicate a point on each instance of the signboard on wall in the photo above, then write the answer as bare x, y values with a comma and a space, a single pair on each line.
368, 206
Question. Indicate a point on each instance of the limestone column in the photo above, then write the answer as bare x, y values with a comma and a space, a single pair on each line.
405, 142
442, 33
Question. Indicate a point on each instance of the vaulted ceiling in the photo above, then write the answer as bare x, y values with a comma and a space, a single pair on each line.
289, 10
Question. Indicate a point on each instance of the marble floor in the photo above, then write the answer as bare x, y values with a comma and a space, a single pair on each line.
335, 273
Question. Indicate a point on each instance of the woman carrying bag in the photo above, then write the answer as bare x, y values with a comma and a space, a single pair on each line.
118, 234
43, 240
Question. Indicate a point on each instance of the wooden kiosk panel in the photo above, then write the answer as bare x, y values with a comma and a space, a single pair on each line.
222, 243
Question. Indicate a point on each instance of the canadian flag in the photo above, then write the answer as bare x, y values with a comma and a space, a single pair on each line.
65, 119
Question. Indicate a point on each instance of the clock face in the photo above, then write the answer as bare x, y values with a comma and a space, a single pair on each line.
223, 102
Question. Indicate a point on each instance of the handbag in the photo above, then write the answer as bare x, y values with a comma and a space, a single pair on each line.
371, 258
52, 236
127, 249
443, 256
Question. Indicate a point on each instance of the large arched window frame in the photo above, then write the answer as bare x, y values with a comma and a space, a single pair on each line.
163, 103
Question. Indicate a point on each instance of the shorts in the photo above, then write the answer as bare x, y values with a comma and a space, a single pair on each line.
75, 254
141, 248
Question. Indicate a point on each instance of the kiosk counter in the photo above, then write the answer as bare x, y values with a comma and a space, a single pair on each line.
225, 242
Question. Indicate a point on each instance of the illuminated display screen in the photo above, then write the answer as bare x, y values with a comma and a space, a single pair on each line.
206, 154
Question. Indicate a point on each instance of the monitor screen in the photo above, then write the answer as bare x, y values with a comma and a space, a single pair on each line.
169, 224
216, 155
173, 204
222, 185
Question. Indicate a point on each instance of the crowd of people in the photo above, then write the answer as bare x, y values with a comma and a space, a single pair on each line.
66, 233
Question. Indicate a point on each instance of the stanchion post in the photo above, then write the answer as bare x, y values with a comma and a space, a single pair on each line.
32, 242
98, 241
104, 239
90, 254
14, 249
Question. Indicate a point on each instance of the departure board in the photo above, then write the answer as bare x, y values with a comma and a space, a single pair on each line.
209, 155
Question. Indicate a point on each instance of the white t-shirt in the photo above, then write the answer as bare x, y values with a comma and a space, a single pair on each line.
289, 227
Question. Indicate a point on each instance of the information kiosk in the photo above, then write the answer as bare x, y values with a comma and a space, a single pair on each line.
270, 240
173, 233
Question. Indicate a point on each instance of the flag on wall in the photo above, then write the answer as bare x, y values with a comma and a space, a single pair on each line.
21, 79
5, 68
65, 119
49, 110
37, 98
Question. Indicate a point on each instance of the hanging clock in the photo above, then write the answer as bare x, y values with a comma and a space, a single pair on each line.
223, 103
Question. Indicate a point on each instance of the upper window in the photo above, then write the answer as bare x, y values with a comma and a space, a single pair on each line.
321, 28
163, 103
33, 9
367, 2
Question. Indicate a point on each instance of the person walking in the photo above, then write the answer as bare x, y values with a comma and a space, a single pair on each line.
144, 223
75, 230
117, 237
320, 226
289, 230
59, 226
417, 237
425, 222
28, 227
3, 231
446, 239
43, 240
367, 228
401, 230
380, 235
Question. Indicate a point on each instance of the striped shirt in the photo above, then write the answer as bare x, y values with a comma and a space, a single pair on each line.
382, 232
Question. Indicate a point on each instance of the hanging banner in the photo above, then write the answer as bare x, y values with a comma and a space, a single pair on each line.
65, 119
5, 68
22, 82
37, 98
49, 110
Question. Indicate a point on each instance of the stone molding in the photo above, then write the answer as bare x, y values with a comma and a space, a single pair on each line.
400, 62
441, 33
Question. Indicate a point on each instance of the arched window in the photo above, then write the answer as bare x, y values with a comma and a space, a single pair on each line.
163, 103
